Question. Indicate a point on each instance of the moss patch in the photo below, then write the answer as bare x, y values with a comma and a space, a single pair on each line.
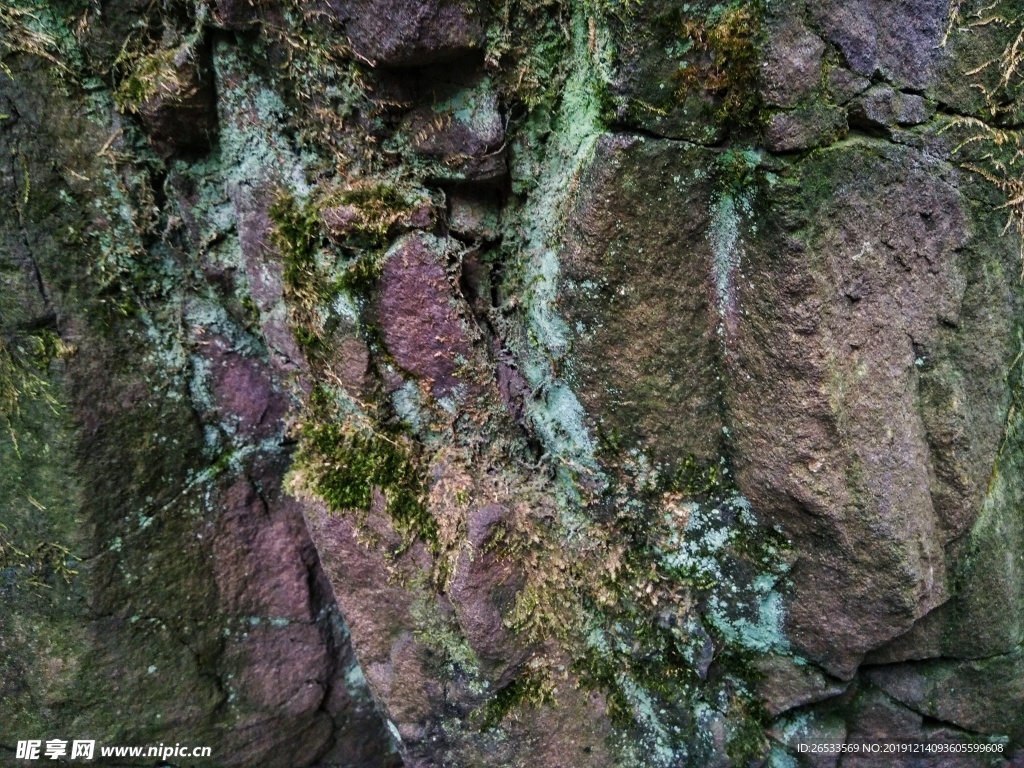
346, 463
724, 49
532, 688
152, 75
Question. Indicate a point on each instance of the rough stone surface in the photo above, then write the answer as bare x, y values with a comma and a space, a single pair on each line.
971, 695
650, 52
422, 319
804, 129
392, 33
784, 687
462, 128
196, 576
891, 340
898, 40
472, 217
881, 106
634, 292
459, 384
843, 84
484, 590
791, 65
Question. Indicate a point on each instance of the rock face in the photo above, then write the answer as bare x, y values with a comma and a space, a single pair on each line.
399, 34
635, 290
447, 383
158, 583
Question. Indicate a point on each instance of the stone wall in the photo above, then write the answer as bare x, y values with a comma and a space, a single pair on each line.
512, 382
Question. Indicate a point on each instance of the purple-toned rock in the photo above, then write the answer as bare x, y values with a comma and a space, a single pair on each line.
807, 128
262, 554
379, 611
883, 107
484, 591
422, 319
394, 33
791, 65
344, 221
899, 40
283, 668
484, 522
473, 215
244, 391
340, 220
263, 272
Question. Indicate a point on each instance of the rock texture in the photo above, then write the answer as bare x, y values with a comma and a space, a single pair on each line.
455, 383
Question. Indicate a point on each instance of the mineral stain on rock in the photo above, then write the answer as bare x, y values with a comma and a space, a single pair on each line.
512, 383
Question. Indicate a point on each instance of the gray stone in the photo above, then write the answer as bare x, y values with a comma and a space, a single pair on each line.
471, 216
899, 40
883, 107
842, 84
784, 685
394, 33
981, 696
791, 65
463, 129
800, 129
853, 492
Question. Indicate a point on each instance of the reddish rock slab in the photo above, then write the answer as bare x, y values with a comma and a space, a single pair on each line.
423, 320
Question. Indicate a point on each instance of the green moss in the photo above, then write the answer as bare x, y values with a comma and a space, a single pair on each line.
599, 671
322, 86
526, 39
532, 688
297, 234
361, 276
345, 464
151, 74
346, 458
314, 269
37, 29
39, 565
24, 363
452, 656
746, 742
724, 56
377, 206
694, 479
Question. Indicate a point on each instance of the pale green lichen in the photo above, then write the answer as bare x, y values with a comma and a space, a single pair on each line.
557, 415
